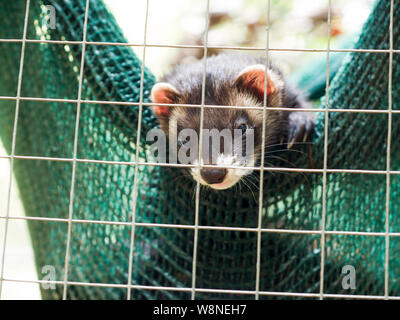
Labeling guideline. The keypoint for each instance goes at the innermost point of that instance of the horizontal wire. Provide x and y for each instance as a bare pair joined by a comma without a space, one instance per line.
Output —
179,165
204,290
149,104
202,227
184,46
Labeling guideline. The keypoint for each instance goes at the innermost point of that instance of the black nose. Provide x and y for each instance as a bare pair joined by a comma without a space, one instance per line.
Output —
213,175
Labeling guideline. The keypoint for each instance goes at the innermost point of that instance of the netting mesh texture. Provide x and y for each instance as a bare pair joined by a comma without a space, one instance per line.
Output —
226,259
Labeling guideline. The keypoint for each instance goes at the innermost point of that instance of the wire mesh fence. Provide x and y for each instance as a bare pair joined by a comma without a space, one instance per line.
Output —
119,226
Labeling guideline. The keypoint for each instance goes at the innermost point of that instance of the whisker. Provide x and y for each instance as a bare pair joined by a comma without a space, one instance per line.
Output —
286,143
275,171
255,183
251,190
291,163
286,150
282,159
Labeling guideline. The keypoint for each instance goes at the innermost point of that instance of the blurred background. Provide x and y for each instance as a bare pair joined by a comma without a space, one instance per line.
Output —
294,24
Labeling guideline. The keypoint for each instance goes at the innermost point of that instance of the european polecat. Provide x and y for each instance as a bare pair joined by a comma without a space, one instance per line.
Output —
231,80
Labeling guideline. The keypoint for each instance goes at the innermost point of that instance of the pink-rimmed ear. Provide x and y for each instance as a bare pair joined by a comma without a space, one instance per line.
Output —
163,93
252,79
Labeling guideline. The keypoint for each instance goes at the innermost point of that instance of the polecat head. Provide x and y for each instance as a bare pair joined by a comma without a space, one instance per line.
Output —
240,128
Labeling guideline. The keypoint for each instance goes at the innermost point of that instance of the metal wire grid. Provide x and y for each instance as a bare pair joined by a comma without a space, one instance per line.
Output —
196,217
133,224
21,69
323,218
261,192
72,193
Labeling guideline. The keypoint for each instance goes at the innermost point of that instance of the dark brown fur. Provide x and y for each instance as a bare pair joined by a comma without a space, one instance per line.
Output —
222,90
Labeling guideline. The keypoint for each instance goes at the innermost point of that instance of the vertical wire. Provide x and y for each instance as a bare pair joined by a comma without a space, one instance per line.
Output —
388,152
196,218
324,173
139,129
72,191
14,135
261,193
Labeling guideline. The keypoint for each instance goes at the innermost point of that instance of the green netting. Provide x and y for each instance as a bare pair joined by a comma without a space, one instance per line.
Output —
163,256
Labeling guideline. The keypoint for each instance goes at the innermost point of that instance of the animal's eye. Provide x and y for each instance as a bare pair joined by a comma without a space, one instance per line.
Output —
183,141
243,127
